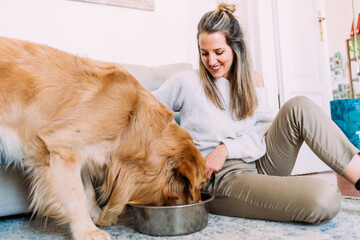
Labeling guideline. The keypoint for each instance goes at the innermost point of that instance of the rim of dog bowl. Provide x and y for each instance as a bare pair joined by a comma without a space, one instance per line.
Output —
211,197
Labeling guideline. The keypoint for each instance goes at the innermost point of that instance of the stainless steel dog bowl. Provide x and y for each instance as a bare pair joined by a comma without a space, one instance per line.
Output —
172,220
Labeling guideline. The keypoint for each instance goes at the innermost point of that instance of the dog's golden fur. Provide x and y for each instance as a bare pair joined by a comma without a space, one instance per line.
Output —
75,124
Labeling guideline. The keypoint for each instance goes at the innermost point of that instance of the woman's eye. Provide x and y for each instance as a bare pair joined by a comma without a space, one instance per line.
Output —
204,54
219,53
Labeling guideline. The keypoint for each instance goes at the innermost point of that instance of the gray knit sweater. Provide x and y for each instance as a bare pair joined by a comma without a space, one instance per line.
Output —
209,125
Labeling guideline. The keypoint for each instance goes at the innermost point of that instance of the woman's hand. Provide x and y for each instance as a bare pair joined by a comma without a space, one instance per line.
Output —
216,159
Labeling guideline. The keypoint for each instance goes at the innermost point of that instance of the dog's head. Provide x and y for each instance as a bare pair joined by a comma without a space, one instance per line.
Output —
185,169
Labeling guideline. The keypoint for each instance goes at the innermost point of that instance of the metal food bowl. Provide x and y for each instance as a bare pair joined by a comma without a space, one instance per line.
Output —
172,220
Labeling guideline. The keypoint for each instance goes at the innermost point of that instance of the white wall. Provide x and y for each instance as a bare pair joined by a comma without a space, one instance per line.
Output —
108,33
339,17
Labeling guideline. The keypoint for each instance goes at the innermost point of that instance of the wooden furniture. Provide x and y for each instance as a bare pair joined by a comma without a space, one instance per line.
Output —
351,59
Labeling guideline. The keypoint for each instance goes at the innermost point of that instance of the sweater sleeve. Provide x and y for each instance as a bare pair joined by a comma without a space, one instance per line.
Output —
170,92
250,145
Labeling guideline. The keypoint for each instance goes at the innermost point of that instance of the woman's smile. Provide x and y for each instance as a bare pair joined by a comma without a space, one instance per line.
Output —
216,55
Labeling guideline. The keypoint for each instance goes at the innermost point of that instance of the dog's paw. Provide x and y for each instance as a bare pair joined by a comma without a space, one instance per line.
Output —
106,220
96,234
95,214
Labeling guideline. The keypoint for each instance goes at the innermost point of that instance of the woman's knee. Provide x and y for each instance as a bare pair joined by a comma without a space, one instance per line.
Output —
299,103
323,202
301,109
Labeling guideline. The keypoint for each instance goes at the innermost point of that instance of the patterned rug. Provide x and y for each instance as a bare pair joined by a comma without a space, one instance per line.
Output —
346,225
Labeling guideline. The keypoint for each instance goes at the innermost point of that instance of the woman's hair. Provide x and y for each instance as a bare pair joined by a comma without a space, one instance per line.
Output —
242,89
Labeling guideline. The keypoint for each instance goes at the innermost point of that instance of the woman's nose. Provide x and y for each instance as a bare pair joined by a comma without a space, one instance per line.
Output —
212,59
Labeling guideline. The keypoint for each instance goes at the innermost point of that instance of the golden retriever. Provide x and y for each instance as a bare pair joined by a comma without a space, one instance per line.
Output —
87,133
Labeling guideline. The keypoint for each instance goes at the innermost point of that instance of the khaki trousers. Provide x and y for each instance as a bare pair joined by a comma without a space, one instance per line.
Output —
264,189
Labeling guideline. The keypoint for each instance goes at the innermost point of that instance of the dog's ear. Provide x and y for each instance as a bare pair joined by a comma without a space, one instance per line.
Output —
185,175
190,174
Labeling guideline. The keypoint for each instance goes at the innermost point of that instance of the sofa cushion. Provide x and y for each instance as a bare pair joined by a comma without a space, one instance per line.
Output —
151,78
14,191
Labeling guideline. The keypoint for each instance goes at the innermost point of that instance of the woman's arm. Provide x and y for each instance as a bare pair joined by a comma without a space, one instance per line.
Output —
215,159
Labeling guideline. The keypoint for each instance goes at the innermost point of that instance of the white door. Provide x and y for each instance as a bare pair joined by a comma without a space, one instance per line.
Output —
298,63
305,63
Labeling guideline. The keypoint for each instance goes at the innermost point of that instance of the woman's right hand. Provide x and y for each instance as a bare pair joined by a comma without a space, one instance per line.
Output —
215,160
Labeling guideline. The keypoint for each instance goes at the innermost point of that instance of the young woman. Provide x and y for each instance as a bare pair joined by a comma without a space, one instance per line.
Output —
223,106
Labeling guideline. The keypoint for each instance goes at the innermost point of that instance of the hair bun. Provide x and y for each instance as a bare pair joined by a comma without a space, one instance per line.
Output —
227,7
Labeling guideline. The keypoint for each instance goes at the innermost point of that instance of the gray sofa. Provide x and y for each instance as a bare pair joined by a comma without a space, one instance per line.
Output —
13,186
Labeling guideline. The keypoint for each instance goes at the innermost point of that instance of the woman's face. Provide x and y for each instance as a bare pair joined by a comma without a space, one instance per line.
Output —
216,55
